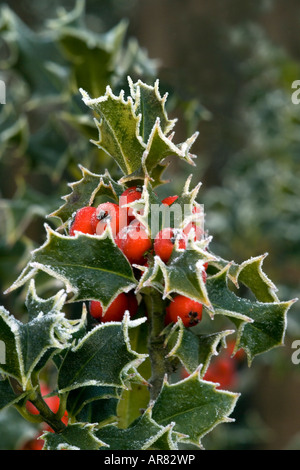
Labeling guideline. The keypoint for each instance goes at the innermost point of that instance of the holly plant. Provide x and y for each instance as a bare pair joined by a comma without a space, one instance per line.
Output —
156,305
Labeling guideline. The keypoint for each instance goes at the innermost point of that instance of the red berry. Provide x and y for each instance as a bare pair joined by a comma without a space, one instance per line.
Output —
107,212
187,309
222,370
115,311
84,221
197,229
134,242
165,240
240,353
130,195
169,200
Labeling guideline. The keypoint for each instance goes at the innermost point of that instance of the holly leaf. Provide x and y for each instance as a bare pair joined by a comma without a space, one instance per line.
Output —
143,434
182,275
84,192
195,405
77,436
118,129
80,398
7,395
133,130
27,343
251,274
148,98
261,325
91,267
194,351
92,361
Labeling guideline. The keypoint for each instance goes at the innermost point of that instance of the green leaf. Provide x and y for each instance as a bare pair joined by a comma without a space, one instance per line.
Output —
92,361
84,192
148,98
261,325
143,434
118,129
196,407
183,273
79,398
99,411
193,350
251,274
77,436
91,267
31,53
27,343
93,56
132,130
7,395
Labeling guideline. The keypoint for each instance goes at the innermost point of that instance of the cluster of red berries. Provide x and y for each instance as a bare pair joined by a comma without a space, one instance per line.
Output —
133,239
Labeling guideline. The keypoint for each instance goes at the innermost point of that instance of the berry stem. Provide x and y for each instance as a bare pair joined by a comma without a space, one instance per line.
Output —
159,366
46,413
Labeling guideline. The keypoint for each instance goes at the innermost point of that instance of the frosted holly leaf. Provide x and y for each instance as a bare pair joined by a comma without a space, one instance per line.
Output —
76,436
125,131
7,395
82,397
84,192
91,267
183,274
27,343
261,325
143,434
118,129
148,98
194,351
195,405
251,274
92,361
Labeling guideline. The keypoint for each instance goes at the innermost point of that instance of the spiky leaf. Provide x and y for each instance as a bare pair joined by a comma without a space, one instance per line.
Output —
196,407
77,436
27,343
84,192
91,267
261,325
143,434
103,357
193,350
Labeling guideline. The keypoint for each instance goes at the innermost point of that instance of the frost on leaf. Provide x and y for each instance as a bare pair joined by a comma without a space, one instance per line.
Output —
193,350
135,131
84,192
260,325
47,330
144,433
91,267
77,436
195,405
103,357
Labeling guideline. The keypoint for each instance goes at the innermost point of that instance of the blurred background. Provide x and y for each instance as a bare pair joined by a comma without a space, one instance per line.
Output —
228,67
